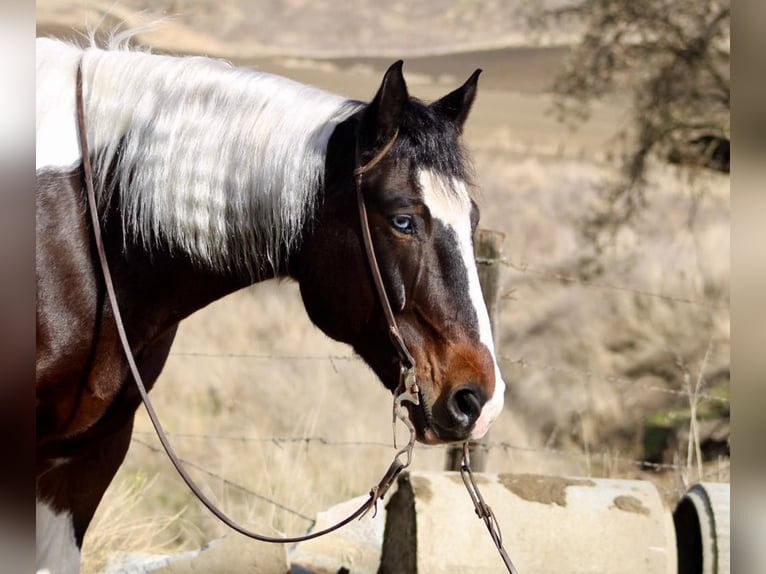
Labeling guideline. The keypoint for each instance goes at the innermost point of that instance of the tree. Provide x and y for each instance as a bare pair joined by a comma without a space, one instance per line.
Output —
672,57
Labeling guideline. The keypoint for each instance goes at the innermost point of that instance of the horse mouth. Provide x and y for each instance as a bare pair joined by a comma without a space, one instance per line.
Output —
420,417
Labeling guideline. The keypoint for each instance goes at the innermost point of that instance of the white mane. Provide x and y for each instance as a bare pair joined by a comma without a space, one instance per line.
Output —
220,162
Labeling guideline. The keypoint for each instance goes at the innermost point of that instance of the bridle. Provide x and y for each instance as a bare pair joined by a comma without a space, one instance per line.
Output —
405,357
407,390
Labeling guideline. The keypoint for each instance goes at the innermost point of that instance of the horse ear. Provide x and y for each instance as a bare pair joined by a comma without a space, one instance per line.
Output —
383,115
456,105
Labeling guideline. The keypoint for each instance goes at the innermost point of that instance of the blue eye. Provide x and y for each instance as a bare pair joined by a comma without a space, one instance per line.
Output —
402,223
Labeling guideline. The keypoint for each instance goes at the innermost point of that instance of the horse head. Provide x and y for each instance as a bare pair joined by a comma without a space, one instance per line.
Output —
422,218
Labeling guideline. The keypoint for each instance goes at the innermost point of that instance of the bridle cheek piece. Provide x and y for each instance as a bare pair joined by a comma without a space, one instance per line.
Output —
407,389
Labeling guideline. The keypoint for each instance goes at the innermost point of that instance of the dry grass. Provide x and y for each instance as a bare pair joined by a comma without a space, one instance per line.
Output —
123,526
589,358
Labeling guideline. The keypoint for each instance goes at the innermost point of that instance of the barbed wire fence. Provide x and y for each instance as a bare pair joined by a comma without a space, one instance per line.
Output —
144,438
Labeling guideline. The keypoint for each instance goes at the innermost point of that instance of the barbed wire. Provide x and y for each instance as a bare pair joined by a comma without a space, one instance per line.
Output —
225,480
516,361
523,267
488,446
520,362
277,440
524,363
588,457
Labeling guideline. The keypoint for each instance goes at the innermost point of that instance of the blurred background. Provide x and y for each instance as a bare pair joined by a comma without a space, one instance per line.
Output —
600,139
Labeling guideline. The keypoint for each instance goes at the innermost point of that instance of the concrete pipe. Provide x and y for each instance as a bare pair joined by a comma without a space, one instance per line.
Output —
702,519
549,525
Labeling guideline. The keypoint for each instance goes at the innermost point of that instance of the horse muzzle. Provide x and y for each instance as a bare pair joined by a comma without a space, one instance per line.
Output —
452,419
461,393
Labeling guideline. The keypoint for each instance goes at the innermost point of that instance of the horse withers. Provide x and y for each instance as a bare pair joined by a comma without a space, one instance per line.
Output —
209,178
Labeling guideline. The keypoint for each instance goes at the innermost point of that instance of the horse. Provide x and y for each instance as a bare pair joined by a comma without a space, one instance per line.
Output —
209,178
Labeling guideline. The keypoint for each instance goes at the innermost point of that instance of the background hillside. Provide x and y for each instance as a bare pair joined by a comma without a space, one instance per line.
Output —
606,354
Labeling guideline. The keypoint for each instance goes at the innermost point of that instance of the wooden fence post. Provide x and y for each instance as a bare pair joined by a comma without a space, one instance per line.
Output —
488,250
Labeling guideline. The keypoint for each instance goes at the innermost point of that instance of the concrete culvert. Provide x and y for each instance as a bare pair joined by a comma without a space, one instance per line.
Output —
702,519
549,524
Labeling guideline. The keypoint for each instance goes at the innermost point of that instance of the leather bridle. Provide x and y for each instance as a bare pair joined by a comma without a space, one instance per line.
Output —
405,357
407,390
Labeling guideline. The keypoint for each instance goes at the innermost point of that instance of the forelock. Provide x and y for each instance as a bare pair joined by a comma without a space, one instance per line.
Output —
432,142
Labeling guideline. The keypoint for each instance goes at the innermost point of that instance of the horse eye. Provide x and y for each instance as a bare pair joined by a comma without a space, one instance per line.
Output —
402,223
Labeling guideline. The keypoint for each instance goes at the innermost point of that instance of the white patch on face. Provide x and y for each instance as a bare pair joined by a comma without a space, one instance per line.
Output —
56,549
57,144
449,202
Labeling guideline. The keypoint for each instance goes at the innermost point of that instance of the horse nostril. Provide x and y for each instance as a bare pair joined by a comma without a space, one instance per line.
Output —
464,405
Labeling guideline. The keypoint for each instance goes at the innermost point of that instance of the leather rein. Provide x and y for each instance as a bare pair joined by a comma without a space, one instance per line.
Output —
407,390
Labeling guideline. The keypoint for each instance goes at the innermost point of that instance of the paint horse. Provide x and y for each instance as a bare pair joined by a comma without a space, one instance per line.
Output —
210,178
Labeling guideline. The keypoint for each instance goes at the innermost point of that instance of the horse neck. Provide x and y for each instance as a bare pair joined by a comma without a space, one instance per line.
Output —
157,290
217,163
